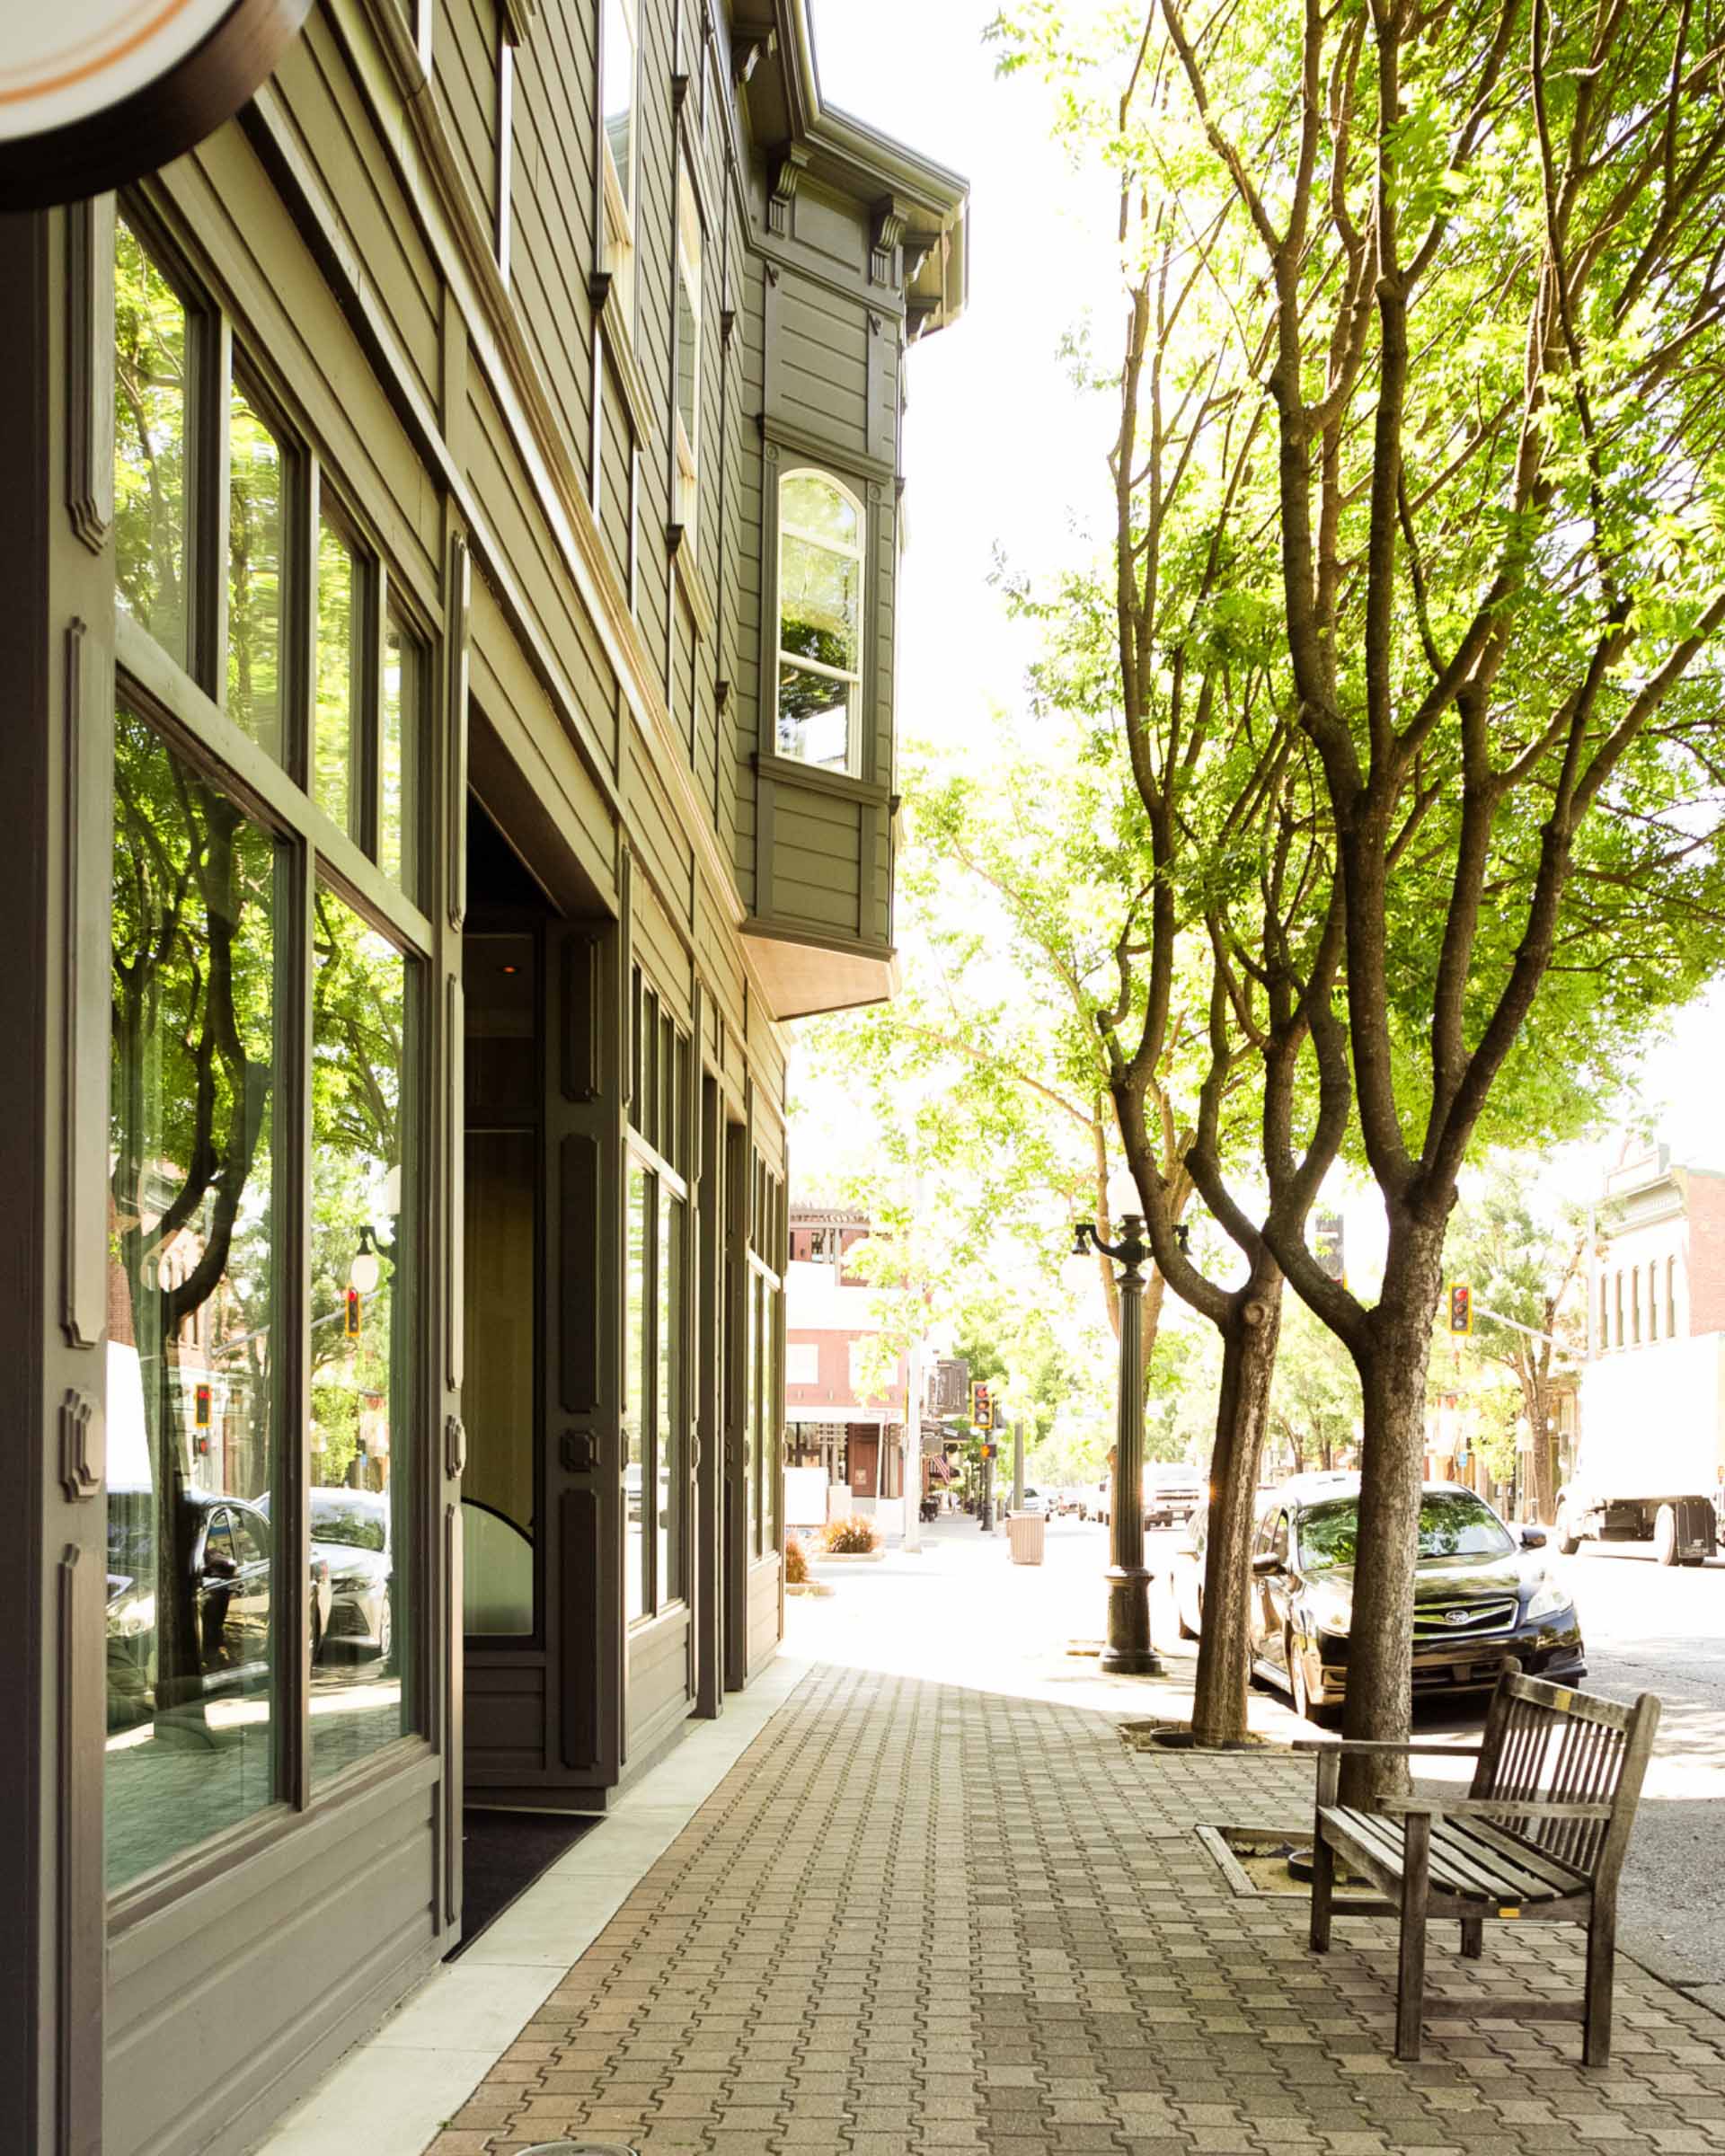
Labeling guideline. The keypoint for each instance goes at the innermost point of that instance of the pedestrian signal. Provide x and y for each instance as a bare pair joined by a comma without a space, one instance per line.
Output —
986,1452
1460,1311
350,1316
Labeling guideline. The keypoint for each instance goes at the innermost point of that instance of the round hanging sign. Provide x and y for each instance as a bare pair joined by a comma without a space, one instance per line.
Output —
93,93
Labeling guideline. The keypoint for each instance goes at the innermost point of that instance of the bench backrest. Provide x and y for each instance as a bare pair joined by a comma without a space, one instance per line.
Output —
1555,1746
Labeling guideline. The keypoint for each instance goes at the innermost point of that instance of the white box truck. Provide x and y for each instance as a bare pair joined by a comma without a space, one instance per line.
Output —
1651,1452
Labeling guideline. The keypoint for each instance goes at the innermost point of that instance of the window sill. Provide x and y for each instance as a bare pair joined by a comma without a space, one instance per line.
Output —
619,350
788,771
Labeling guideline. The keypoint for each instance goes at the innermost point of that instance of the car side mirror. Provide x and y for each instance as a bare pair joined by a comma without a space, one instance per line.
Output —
1532,1538
1266,1565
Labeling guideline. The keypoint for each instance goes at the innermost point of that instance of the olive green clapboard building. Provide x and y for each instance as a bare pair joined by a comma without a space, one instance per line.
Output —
452,549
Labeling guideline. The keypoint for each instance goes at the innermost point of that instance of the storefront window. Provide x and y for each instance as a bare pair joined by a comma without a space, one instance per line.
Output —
403,673
637,1377
670,1459
336,718
361,1477
257,488
151,397
194,1442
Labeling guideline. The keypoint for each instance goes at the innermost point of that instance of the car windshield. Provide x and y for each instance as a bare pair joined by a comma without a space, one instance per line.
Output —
1452,1524
358,1525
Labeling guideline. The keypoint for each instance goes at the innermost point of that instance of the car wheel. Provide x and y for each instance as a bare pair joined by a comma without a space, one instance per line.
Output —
1664,1535
1568,1543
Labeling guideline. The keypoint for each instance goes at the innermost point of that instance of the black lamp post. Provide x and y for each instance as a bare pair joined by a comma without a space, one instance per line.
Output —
1127,1650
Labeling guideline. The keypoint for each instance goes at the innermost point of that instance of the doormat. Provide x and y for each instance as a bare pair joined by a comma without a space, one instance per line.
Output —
502,1853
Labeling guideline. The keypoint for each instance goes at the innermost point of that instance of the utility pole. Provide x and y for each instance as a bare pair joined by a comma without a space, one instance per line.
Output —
1018,1464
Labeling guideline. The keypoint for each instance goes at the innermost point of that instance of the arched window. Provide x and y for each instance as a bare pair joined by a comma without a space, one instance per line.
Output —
821,532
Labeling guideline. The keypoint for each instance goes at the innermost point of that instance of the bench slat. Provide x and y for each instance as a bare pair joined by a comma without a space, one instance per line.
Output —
1459,1864
1563,1876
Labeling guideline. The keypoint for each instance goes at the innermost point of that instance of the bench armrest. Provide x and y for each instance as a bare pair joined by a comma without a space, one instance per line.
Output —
1487,1807
1364,1746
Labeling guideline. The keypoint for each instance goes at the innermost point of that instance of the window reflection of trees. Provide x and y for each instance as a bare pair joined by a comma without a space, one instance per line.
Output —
193,990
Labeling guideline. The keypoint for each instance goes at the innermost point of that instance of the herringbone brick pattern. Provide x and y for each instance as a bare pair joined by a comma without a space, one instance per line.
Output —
919,1918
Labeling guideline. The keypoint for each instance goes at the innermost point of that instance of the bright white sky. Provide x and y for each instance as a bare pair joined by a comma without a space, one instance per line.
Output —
1002,452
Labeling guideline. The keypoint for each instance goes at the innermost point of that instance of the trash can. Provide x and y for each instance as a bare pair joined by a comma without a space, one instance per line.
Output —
1025,1530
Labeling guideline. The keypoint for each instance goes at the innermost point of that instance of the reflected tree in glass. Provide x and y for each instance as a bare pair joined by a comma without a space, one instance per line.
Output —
361,1478
192,1227
152,393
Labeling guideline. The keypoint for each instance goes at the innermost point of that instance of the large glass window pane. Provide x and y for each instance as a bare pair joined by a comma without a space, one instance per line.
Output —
337,720
819,509
403,676
256,528
152,398
360,1438
814,717
669,1451
821,604
751,1401
193,1403
637,1383
498,1393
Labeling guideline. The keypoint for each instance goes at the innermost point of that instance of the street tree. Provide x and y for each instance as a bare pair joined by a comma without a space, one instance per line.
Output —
1450,304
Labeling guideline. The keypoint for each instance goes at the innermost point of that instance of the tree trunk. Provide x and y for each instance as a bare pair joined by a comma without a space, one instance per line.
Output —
1543,1460
1241,1420
1392,1461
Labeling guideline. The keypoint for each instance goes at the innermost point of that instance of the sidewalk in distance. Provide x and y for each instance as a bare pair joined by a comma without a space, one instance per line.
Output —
938,1905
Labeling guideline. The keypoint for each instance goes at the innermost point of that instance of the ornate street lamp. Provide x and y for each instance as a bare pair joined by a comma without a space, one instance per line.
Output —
1127,1650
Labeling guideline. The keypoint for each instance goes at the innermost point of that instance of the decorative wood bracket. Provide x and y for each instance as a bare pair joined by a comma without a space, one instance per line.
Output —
81,1460
679,93
887,220
514,19
749,49
792,162
721,694
727,326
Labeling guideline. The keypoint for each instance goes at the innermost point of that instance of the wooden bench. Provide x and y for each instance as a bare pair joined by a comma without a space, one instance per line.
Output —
1540,1834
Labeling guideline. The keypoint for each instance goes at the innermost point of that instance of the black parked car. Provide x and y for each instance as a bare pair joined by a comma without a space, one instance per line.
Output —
226,1545
1481,1592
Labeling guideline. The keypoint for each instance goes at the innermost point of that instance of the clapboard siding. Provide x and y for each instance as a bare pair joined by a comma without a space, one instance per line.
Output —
552,197
465,72
317,87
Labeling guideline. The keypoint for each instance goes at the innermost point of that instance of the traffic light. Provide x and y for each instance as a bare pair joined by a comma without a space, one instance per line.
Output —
350,1315
1461,1311
200,1407
982,1406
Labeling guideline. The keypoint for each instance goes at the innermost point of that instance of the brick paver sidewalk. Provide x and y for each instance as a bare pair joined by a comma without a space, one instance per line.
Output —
917,1918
